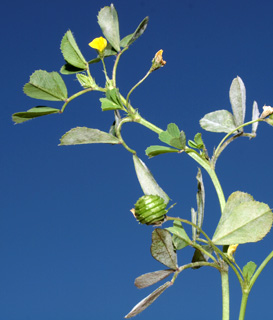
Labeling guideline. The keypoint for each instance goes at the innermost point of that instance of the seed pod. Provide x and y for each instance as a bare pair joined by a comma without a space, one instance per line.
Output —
150,209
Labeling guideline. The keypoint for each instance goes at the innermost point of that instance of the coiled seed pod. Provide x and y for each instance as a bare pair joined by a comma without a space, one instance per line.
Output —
150,209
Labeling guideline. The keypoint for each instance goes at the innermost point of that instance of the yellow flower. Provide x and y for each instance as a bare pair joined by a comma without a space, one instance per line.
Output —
98,44
158,61
231,251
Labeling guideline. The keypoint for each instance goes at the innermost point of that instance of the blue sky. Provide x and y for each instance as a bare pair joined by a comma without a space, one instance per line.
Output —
70,248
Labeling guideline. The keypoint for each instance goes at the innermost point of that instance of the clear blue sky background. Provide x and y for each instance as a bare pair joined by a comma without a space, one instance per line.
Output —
69,246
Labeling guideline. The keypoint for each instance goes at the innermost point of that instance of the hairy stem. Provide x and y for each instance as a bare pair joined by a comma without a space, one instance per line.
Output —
225,292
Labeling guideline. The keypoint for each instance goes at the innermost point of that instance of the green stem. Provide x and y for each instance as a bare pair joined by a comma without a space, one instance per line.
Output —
225,292
118,129
219,150
195,245
105,71
134,87
79,94
246,287
243,304
206,165
260,269
114,72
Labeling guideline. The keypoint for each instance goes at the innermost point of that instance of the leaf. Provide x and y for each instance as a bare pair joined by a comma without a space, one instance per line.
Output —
145,303
147,181
194,221
151,278
180,237
69,69
153,151
255,116
128,40
237,96
108,21
249,270
162,248
243,220
173,136
107,105
198,142
200,197
46,86
114,95
199,256
35,112
71,51
112,100
83,135
218,121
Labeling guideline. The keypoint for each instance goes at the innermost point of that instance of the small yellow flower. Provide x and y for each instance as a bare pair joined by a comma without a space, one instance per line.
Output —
158,61
231,251
98,44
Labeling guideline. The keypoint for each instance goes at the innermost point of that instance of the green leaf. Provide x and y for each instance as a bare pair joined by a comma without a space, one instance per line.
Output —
255,116
194,221
35,112
108,21
200,256
112,100
71,51
198,142
147,181
249,270
218,121
237,96
128,40
243,220
153,151
162,248
200,197
114,95
83,135
173,136
148,279
107,104
69,69
46,86
145,303
180,237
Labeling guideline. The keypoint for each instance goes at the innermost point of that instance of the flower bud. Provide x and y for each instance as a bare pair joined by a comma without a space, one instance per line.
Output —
267,112
158,61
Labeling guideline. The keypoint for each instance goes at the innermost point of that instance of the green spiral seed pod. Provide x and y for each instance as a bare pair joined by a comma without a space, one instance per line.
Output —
150,209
